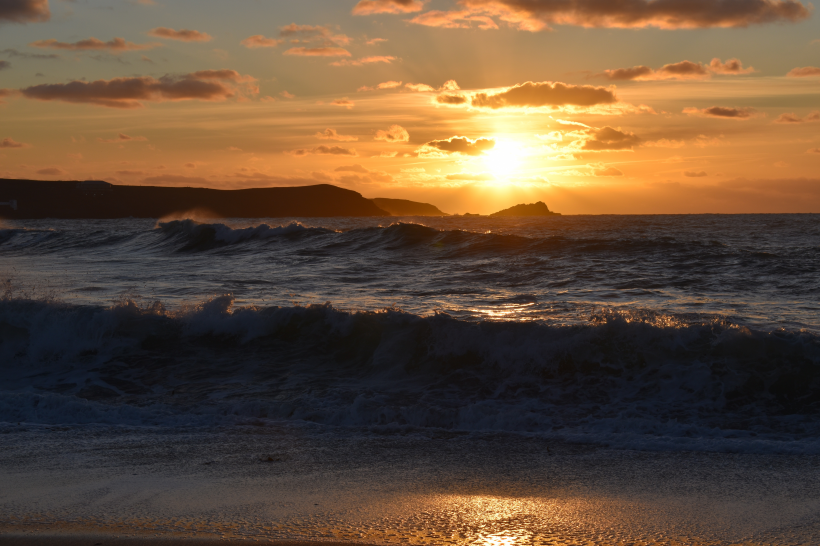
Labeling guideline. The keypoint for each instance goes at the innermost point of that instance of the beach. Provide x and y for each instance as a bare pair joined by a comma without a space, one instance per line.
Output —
259,485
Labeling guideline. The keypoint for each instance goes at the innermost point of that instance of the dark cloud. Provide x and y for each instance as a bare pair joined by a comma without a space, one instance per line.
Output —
609,139
206,85
535,95
535,15
122,138
804,72
332,134
792,118
450,98
369,7
51,171
626,74
117,45
24,11
722,112
183,35
4,65
325,150
463,145
695,174
684,70
11,143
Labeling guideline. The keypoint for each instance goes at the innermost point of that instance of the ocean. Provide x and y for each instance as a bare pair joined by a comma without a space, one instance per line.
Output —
664,335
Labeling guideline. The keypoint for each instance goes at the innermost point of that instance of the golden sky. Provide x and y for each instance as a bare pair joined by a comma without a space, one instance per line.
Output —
627,106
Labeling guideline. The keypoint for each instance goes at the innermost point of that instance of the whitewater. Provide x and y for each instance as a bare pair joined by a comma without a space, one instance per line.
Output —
510,343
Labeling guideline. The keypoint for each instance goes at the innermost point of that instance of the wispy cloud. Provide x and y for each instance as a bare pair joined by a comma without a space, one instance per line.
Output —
388,59
117,45
205,85
183,35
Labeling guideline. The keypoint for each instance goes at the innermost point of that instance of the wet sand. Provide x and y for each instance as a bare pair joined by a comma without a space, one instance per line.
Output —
253,484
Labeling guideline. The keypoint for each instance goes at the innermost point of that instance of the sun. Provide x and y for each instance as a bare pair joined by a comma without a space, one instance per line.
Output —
504,160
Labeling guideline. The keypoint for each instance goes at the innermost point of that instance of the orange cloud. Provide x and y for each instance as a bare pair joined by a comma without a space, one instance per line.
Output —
383,85
419,87
117,45
536,95
609,139
206,85
307,33
11,143
730,67
318,52
331,134
370,7
395,133
792,118
804,72
344,102
122,138
722,112
388,59
533,15
257,40
815,151
5,93
183,35
463,145
695,174
454,19
325,150
24,11
684,70
451,98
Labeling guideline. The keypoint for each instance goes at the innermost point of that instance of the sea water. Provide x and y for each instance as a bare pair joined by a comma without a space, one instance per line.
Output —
643,332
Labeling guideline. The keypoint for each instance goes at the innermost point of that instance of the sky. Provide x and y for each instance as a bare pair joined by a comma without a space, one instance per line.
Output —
594,107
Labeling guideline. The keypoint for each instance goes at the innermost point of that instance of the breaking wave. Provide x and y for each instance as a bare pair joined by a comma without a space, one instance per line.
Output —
637,379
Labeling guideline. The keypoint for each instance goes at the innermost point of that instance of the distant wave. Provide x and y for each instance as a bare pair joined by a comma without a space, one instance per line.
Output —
637,379
203,235
194,236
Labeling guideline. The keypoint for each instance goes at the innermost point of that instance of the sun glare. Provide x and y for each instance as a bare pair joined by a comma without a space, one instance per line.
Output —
504,160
